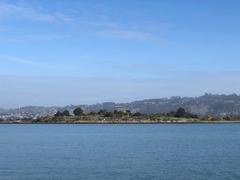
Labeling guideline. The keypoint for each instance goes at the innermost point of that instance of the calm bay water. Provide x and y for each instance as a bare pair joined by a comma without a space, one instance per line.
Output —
121,152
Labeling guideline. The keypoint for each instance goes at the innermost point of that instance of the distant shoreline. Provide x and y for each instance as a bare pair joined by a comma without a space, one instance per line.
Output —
123,117
112,123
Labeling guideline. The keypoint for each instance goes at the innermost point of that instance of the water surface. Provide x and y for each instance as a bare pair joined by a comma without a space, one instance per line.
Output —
120,152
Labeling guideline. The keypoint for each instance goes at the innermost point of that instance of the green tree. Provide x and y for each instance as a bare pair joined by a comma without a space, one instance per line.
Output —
66,113
102,112
128,112
108,114
78,112
137,114
58,114
119,113
180,112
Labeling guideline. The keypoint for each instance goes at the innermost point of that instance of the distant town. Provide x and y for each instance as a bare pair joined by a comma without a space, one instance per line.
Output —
208,105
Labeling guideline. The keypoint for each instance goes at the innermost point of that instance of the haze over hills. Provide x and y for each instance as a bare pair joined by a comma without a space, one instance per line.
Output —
207,104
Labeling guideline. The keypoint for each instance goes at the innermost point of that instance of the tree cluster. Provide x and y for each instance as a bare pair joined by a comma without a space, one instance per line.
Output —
76,112
64,113
180,113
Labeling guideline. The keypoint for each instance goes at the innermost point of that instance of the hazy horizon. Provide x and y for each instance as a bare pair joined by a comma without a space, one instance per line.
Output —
78,52
117,102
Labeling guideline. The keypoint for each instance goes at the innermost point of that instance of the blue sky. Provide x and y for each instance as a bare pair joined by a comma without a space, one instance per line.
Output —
74,52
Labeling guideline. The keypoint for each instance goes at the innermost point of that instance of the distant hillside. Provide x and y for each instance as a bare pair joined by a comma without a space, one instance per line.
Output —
207,104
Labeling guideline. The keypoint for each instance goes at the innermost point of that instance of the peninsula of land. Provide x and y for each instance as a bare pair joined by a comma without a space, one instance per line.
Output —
122,117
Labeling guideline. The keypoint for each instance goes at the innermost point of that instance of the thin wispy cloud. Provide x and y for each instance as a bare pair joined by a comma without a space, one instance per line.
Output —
77,20
125,34
24,10
37,66
23,61
33,38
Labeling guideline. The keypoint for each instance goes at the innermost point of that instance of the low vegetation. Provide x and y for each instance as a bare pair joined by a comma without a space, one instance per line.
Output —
103,116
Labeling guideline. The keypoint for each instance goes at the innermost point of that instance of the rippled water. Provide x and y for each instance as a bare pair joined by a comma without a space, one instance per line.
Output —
102,152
